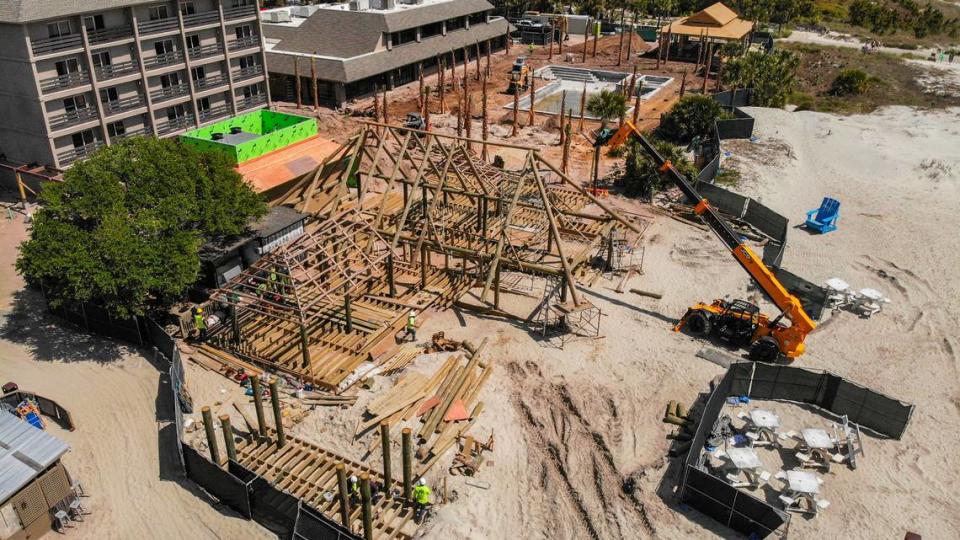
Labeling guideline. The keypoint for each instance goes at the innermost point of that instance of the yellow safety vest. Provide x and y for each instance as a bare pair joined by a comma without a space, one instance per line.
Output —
421,494
411,321
198,322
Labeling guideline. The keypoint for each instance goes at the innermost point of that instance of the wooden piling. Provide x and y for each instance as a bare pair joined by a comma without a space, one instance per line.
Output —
258,405
277,415
367,510
385,445
533,92
586,39
314,91
516,109
583,106
596,36
407,448
390,278
344,495
347,314
296,74
211,435
228,437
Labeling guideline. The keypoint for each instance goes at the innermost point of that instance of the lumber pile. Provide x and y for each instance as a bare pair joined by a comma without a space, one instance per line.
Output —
400,360
222,362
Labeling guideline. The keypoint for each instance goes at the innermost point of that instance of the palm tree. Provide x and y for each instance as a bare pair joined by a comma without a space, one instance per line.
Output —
607,105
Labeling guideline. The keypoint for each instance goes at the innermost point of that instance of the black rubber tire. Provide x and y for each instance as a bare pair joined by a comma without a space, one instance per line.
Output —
765,349
698,324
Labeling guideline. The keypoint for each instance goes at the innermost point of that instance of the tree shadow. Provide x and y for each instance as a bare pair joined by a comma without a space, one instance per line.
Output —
51,339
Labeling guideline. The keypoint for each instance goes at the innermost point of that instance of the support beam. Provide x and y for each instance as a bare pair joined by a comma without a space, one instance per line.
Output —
258,405
385,445
277,415
211,435
344,495
407,447
367,511
228,441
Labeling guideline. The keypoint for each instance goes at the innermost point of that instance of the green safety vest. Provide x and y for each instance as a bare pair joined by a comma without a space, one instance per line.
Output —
421,494
411,321
355,487
198,322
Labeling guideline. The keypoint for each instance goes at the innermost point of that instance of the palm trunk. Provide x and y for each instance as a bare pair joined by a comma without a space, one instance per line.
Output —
623,15
484,125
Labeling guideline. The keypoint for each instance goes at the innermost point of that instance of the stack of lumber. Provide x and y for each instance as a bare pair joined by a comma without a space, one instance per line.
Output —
324,399
446,417
222,361
400,360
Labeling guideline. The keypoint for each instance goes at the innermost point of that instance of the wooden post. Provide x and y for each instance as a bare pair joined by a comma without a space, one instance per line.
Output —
258,404
466,59
367,510
459,115
296,74
533,91
385,444
346,312
706,70
563,34
666,54
633,19
344,495
484,121
496,288
468,121
563,101
476,48
407,448
23,192
314,91
277,415
443,83
596,36
633,82
426,109
566,142
683,83
376,103
390,279
304,346
636,108
659,49
420,97
553,29
211,435
623,15
386,117
699,53
228,437
487,67
586,40
583,106
423,264
516,110
235,324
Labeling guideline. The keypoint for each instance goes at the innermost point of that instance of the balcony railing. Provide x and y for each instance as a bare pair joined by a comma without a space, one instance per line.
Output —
248,72
119,69
165,59
62,82
70,155
157,25
183,122
55,44
239,12
136,132
214,112
210,81
121,105
251,102
72,118
200,19
244,43
170,92
107,35
204,51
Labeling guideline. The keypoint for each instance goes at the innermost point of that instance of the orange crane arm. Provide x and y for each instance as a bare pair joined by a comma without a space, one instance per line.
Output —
791,339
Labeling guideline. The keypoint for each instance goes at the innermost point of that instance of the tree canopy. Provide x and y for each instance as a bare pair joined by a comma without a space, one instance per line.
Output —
607,105
124,227
692,116
770,76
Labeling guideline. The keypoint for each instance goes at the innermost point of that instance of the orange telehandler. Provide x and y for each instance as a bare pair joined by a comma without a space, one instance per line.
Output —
738,322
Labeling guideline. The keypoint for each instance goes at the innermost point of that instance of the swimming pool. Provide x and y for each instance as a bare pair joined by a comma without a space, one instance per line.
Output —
565,86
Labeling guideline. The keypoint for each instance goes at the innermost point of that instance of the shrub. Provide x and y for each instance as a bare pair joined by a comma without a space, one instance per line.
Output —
771,77
850,82
641,177
692,116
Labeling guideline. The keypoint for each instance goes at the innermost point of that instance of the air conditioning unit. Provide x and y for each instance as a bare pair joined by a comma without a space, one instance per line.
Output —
277,16
359,5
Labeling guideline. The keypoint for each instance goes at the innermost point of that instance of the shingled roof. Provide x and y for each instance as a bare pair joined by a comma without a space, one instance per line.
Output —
351,55
24,11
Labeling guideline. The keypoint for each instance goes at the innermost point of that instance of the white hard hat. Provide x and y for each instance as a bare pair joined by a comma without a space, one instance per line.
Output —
422,482
353,478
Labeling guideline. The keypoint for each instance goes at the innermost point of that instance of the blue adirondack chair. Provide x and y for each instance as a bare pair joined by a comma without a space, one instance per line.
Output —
824,219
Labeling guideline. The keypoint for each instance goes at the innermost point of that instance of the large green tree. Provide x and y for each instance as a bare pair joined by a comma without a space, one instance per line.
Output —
692,116
771,76
124,227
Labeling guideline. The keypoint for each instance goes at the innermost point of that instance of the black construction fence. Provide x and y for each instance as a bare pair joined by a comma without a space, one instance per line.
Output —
249,494
48,407
742,511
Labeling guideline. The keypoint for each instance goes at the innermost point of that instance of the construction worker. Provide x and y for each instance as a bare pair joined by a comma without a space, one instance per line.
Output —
421,499
199,323
354,489
273,280
412,325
